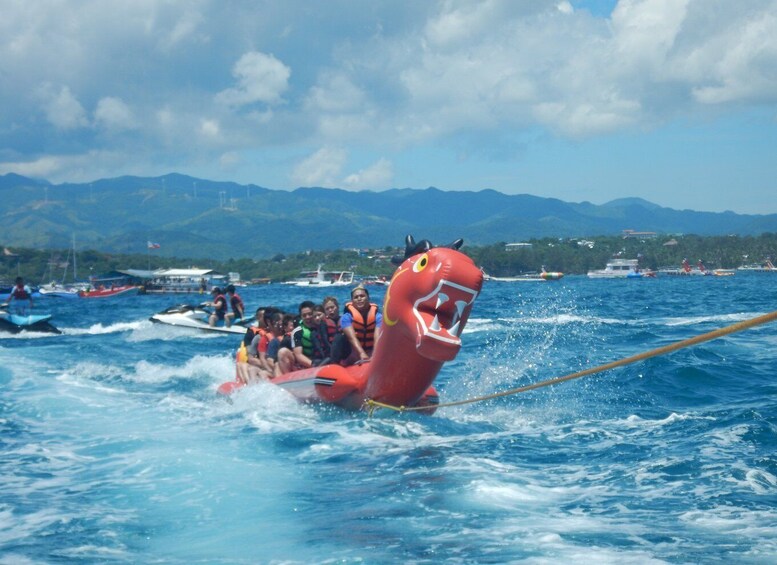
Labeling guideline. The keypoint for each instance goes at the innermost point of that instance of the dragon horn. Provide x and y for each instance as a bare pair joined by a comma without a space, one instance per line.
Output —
456,244
409,246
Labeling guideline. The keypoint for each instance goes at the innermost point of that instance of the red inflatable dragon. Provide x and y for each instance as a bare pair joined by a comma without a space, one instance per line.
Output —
427,304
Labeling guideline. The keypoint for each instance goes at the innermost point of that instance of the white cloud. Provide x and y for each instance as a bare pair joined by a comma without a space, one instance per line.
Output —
322,168
378,175
335,92
114,115
229,161
210,129
260,78
390,77
62,109
185,27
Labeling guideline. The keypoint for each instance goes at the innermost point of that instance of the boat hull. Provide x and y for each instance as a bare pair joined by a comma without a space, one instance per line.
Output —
194,317
108,292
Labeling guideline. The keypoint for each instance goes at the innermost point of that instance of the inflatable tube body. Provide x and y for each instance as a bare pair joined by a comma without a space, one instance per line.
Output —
426,307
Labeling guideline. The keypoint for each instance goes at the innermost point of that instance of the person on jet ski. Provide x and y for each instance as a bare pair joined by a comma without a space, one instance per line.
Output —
238,308
20,299
219,305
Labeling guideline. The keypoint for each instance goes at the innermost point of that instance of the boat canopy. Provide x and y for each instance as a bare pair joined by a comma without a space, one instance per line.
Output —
185,273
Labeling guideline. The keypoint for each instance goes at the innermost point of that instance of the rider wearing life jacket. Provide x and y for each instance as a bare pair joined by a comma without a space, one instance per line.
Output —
360,323
332,317
20,299
238,308
310,346
219,306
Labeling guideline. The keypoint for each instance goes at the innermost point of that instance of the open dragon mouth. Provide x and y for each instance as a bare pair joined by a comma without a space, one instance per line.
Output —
441,317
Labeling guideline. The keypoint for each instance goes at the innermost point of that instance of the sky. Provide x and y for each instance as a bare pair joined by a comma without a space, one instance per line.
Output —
673,101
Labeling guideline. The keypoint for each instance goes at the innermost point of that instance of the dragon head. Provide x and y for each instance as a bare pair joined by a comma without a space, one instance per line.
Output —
431,295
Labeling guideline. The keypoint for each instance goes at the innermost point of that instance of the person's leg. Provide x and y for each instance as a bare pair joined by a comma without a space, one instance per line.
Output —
341,349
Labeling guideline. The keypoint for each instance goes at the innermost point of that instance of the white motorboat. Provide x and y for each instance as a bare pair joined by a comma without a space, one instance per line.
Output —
766,267
322,278
195,317
55,289
621,269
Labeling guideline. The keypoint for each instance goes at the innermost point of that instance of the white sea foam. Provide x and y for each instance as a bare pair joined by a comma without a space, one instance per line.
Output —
694,320
99,329
221,368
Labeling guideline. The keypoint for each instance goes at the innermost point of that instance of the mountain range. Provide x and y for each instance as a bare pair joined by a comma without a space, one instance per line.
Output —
198,218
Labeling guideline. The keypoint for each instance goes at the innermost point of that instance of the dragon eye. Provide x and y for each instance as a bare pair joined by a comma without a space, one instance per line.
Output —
421,264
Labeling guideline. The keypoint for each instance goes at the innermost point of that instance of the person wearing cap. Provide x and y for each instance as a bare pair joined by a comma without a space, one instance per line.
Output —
219,305
360,324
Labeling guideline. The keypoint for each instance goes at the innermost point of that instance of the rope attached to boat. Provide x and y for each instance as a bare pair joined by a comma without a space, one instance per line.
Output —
371,405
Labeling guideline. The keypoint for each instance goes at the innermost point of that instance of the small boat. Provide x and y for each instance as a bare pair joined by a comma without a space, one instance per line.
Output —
183,281
426,307
57,290
724,272
374,280
102,292
621,269
766,267
196,317
542,276
322,278
685,270
16,323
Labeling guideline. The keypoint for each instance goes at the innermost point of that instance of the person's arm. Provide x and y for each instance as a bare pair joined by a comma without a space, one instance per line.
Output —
356,345
253,352
299,356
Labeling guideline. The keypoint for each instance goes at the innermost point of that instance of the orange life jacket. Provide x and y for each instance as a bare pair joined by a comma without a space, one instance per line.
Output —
365,329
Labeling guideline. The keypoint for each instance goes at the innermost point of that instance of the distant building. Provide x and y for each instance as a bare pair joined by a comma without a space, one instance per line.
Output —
517,246
631,234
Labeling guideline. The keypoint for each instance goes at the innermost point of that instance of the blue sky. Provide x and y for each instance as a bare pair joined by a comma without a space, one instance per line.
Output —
674,101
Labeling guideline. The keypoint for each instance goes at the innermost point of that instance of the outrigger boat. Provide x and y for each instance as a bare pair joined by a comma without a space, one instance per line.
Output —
196,317
426,306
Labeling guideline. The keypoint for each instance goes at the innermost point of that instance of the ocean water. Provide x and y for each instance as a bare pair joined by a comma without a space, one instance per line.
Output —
115,449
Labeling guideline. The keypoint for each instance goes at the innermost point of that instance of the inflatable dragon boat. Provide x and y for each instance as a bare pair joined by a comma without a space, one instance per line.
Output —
426,307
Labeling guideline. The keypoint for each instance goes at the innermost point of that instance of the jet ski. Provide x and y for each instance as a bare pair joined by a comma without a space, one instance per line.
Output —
16,323
196,316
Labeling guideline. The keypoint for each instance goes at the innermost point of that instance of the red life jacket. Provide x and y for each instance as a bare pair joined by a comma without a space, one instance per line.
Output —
365,329
20,293
332,329
223,308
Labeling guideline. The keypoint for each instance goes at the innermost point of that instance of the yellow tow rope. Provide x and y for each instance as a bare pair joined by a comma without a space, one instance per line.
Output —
371,405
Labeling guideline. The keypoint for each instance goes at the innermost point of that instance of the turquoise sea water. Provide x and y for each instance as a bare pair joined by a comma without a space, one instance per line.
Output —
114,448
